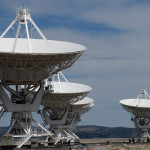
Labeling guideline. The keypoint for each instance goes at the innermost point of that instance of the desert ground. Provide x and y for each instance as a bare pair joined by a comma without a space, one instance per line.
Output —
119,147
104,144
113,144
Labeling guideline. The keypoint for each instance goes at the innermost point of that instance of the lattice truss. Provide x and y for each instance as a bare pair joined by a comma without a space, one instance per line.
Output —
22,69
137,111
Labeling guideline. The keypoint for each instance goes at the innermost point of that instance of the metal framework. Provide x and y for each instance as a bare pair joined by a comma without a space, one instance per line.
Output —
21,103
74,117
143,124
57,111
63,122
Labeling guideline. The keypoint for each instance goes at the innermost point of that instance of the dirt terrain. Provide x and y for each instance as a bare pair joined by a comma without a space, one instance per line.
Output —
119,147
113,144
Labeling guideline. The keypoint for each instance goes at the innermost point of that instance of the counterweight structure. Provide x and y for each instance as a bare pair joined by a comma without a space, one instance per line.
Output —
24,65
140,109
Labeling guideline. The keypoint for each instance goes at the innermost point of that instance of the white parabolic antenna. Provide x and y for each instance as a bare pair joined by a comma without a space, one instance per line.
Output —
86,109
83,106
140,106
31,60
59,111
23,67
64,93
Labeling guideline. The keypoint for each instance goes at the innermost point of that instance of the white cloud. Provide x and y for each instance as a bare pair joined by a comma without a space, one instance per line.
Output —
133,17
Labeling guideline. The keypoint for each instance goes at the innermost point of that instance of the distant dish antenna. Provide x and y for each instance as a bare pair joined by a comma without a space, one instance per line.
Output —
140,109
63,104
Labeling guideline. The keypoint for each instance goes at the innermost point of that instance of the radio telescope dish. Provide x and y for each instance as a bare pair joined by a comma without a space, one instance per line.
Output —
62,97
23,66
60,94
29,61
82,105
140,107
86,101
58,111
86,108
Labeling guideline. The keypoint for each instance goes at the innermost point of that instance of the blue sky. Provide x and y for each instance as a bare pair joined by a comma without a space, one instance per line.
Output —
117,36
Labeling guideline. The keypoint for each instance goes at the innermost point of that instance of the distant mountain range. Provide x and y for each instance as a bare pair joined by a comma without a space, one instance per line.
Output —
92,131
